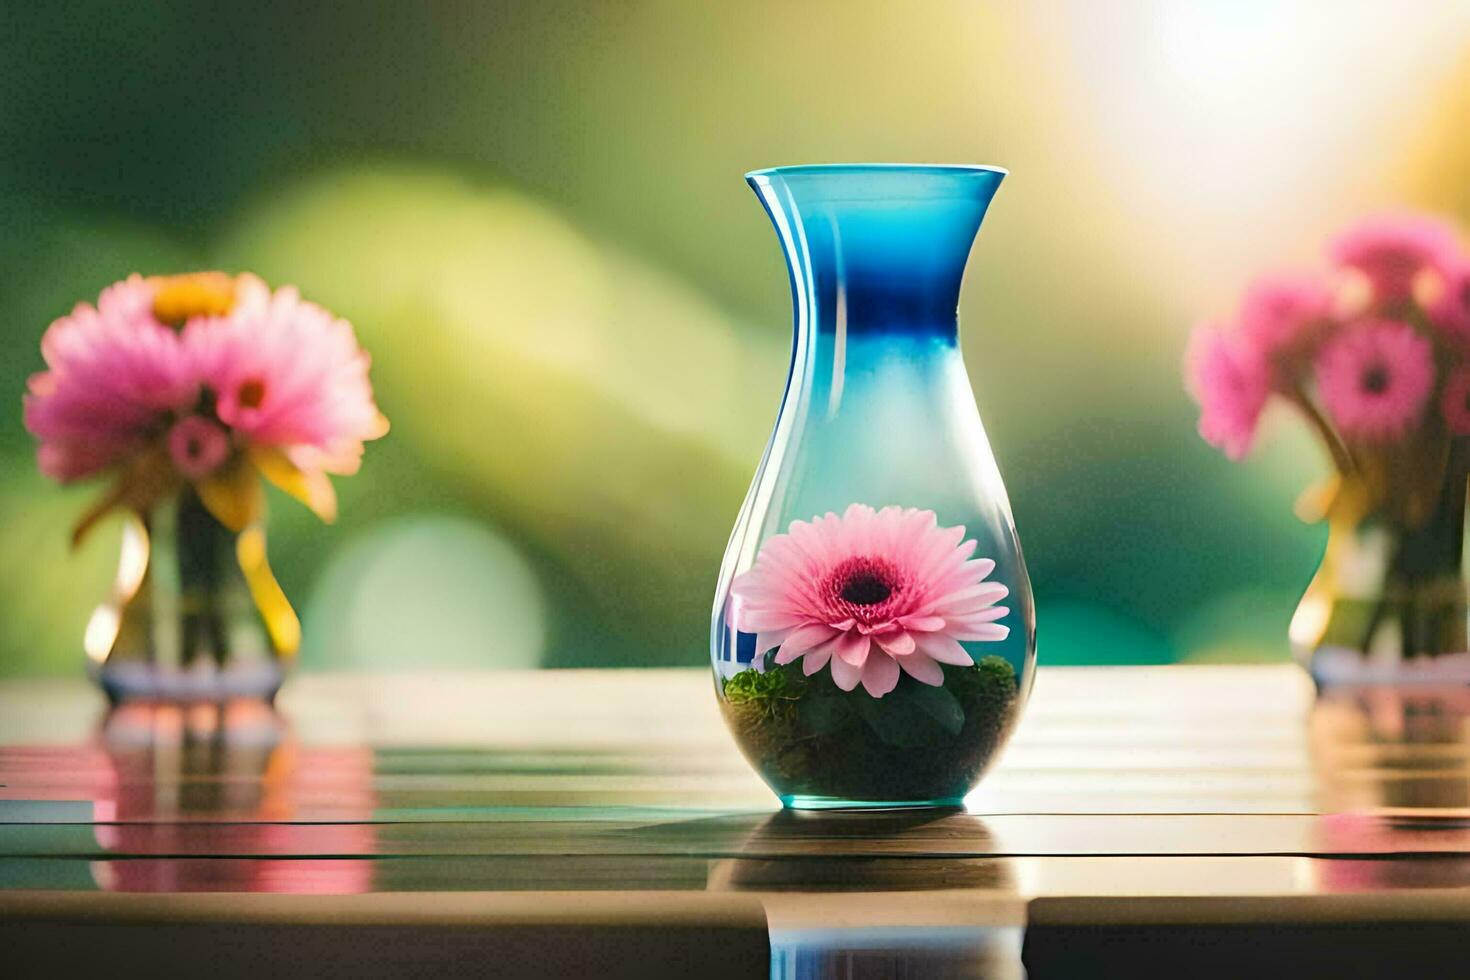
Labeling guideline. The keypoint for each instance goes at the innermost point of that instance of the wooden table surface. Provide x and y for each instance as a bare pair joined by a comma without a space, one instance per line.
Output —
1188,818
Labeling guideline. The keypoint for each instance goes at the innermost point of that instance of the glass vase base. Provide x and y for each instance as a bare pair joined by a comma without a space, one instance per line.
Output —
802,802
1342,667
202,682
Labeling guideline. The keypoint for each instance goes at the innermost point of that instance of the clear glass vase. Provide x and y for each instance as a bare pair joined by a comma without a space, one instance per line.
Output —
1388,603
873,632
194,614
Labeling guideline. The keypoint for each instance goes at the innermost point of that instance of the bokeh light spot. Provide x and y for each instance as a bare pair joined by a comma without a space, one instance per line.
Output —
426,591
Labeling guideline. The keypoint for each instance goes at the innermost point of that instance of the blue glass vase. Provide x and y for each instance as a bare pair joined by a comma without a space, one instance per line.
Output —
873,634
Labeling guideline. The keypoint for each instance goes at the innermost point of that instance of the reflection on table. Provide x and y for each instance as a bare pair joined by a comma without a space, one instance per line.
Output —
604,796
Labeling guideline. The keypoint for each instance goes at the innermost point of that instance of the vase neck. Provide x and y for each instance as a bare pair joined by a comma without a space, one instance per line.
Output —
873,250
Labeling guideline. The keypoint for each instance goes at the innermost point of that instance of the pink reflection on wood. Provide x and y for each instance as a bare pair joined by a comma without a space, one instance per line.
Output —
229,779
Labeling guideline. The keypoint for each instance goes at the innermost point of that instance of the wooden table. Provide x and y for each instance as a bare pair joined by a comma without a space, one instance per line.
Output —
1198,820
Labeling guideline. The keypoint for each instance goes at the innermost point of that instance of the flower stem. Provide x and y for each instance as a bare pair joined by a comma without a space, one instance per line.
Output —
1335,448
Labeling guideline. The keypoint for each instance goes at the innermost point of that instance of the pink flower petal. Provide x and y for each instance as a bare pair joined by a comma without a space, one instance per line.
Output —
114,376
769,640
945,649
922,624
1231,383
1390,249
803,639
1282,312
880,675
896,644
853,648
963,610
988,632
760,620
986,592
817,657
922,668
844,674
987,615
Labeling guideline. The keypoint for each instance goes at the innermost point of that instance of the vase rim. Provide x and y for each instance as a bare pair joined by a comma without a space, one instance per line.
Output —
832,169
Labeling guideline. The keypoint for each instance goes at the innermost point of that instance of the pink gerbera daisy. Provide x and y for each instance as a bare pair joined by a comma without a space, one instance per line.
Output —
1455,402
204,378
870,593
114,373
288,375
1375,378
1391,250
1231,383
1282,314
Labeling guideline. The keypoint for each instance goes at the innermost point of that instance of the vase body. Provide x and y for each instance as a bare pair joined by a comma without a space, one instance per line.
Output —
194,614
878,465
1388,603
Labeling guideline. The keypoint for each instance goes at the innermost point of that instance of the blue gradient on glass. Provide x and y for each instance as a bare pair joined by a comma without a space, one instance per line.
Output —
878,407
877,251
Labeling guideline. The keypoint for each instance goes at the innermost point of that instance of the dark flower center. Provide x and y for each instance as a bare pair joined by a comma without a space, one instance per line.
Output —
252,393
1375,379
193,447
865,588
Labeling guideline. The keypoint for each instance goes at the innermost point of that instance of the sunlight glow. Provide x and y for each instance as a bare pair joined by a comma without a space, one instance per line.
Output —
1213,117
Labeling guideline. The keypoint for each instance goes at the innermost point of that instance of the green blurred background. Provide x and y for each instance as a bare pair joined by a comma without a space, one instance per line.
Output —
534,215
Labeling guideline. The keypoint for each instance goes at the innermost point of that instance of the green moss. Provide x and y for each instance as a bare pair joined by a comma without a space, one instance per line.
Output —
758,686
809,738
990,679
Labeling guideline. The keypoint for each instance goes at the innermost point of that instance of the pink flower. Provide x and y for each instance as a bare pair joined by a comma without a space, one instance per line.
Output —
1375,378
197,446
1446,299
1231,384
1391,250
1282,314
173,376
114,375
288,375
1455,402
869,592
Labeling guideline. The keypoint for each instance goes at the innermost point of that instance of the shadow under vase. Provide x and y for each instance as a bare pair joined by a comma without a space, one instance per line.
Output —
852,893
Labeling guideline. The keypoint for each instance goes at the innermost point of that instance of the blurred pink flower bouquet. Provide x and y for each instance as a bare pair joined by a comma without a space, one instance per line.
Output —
187,391
1374,354
204,380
